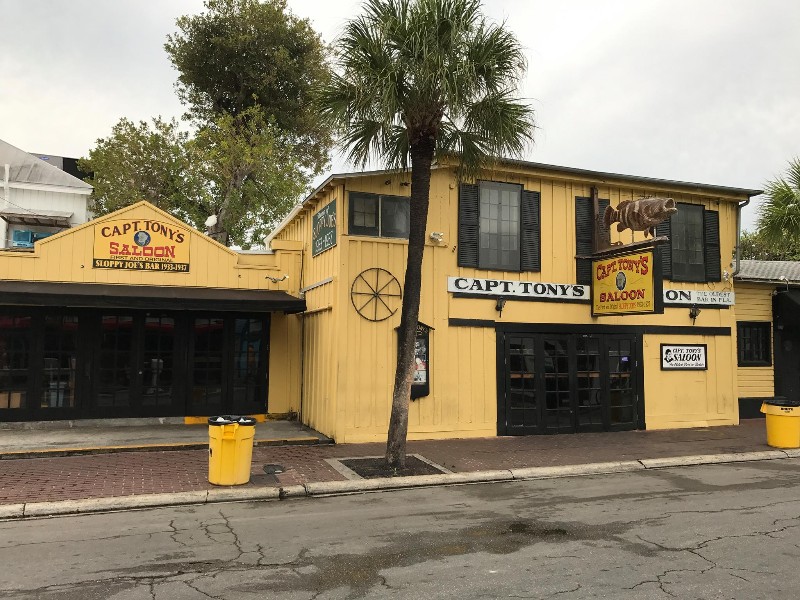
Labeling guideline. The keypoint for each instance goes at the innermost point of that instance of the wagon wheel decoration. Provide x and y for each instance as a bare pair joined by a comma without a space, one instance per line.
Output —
376,294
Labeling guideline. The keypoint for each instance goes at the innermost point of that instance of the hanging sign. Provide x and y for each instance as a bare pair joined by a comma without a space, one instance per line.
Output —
684,357
626,285
141,244
323,232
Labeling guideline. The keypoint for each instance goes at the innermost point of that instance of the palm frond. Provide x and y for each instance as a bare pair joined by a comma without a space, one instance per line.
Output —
779,214
413,70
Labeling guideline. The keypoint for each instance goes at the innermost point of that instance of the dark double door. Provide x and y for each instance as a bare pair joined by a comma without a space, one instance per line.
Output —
159,364
569,383
103,364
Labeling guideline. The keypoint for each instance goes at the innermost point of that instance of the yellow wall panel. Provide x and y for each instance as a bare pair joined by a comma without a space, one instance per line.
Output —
754,303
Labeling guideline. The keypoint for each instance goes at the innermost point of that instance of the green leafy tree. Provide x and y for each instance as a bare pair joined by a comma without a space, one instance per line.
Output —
243,162
415,81
244,53
235,168
779,215
140,161
754,246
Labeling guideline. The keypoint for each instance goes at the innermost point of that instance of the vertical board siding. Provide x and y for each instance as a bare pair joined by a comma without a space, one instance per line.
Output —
349,364
754,303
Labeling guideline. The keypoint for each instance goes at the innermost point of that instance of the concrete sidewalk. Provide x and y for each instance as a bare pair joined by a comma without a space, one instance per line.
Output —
118,480
69,438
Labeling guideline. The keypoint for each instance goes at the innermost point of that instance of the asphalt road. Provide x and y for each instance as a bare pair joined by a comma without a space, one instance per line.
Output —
710,532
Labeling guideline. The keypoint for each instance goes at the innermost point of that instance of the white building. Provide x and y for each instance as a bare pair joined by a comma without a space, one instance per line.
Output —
38,199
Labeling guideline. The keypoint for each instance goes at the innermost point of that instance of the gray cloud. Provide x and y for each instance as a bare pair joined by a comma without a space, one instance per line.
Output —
696,91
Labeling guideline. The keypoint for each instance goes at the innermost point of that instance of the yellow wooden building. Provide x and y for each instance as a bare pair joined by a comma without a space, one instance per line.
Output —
508,343
767,332
136,314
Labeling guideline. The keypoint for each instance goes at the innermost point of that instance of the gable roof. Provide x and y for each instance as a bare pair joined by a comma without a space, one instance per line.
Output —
770,271
28,169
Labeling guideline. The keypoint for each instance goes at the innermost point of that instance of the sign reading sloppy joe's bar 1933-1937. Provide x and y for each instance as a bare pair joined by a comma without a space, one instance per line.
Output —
141,245
684,357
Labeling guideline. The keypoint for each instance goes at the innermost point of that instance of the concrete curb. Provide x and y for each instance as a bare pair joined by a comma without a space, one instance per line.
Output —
356,486
710,459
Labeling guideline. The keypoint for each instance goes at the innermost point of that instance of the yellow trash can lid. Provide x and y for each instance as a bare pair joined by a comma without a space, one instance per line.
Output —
231,419
783,401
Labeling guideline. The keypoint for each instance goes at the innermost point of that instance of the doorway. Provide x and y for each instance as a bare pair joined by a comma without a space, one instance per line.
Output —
569,383
85,363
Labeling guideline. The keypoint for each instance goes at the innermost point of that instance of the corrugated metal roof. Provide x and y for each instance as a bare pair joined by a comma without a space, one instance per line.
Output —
26,168
770,271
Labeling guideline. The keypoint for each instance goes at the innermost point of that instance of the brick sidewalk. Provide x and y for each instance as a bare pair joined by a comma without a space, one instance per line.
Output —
130,473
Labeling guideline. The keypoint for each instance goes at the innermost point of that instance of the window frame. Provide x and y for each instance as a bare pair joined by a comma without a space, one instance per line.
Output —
483,262
378,230
765,329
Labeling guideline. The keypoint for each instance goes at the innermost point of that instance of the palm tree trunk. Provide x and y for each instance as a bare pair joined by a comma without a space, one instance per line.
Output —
421,159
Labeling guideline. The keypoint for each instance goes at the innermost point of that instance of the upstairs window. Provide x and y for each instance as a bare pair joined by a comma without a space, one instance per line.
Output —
752,342
693,252
379,215
688,250
498,227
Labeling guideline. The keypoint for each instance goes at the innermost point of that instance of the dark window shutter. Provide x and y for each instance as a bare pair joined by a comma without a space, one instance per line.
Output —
531,244
664,229
711,236
584,232
583,239
468,220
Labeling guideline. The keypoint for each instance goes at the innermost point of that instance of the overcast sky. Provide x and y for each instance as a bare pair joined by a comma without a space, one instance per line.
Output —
694,90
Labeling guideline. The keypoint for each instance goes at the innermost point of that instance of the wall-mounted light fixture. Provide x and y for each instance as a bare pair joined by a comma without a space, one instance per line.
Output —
694,312
436,236
501,302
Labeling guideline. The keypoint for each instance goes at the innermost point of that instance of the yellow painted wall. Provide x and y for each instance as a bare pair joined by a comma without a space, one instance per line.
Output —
676,399
349,361
754,303
316,331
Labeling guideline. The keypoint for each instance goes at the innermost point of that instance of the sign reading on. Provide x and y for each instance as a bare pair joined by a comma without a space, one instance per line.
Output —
141,244
323,233
700,297
625,284
684,357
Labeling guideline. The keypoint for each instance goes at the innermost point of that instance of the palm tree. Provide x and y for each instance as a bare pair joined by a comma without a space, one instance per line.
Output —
779,214
424,80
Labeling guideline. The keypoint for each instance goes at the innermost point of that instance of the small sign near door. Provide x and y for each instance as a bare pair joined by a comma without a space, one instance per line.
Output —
684,357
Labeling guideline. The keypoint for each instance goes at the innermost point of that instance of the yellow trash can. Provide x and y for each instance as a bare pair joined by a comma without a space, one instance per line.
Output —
783,422
230,449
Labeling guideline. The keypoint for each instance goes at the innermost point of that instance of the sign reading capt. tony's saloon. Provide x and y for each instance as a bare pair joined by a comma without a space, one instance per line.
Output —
141,244
626,284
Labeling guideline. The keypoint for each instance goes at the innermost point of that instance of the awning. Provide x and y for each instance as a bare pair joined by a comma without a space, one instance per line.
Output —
46,218
96,295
